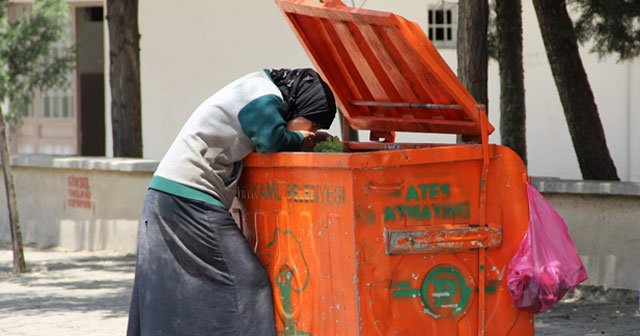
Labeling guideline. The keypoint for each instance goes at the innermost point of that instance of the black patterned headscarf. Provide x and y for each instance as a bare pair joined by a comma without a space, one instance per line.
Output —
305,94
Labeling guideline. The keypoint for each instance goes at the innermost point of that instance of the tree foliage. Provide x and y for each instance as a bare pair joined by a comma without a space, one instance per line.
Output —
26,47
29,61
613,26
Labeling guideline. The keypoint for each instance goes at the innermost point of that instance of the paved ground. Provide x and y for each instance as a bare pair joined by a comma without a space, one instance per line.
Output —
87,294
592,314
66,294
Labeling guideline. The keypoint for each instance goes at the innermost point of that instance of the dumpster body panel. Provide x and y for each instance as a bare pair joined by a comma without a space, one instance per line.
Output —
300,222
432,283
387,242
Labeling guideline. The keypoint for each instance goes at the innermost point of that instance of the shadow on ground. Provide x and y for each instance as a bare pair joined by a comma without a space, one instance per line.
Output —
589,310
60,282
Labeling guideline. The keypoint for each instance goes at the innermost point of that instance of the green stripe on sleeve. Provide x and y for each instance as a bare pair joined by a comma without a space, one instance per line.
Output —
261,121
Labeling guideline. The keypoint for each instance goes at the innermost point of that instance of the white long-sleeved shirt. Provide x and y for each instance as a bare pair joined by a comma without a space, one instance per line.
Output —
205,160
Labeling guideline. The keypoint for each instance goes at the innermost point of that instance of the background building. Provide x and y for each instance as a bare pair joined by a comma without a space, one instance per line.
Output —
192,48
71,120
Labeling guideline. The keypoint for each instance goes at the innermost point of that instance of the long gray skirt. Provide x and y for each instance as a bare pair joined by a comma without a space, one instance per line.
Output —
196,274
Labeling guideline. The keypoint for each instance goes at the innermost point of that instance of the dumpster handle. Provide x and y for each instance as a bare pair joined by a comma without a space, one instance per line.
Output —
484,137
386,187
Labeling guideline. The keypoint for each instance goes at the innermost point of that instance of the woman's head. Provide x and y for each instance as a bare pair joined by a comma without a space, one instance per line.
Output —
305,95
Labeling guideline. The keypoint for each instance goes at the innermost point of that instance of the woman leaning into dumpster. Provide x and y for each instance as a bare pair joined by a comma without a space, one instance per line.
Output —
196,274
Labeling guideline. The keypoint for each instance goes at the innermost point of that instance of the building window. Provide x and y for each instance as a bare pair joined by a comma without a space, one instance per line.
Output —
49,124
56,102
443,25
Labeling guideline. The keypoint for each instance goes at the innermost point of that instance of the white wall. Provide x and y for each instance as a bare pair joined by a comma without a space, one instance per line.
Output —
634,121
190,49
550,150
108,129
74,206
604,231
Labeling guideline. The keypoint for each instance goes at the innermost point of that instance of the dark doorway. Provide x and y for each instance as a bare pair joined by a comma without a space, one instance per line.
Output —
90,72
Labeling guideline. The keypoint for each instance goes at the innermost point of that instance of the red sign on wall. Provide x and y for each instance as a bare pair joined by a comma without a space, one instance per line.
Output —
78,192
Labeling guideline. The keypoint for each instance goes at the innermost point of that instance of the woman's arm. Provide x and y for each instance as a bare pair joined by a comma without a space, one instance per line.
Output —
262,123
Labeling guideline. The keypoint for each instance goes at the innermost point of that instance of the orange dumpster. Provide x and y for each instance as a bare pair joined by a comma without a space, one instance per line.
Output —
387,238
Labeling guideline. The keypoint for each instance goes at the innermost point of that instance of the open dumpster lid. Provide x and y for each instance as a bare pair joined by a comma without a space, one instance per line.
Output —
385,73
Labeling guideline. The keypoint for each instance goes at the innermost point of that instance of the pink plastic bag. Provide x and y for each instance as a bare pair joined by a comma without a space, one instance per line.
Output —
546,265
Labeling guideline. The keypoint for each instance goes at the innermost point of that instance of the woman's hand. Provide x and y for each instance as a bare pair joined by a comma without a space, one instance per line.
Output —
312,139
321,136
308,142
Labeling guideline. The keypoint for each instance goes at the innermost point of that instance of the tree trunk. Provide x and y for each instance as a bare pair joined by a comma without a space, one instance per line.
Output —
575,92
512,104
473,20
124,72
19,266
473,17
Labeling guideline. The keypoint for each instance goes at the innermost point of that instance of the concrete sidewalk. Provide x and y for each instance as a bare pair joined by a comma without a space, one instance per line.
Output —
65,293
87,294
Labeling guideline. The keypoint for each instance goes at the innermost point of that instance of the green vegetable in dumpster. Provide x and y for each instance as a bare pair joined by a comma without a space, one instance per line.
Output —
330,145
